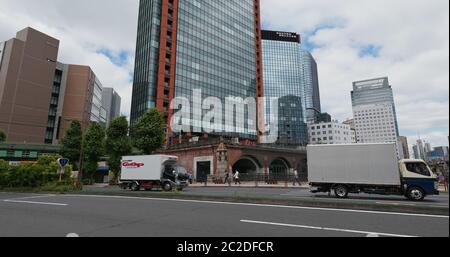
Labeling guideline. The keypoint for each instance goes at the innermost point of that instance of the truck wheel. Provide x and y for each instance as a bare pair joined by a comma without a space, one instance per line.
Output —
415,194
167,187
135,187
341,191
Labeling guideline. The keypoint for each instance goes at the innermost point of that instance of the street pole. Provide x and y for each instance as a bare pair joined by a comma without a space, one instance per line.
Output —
80,165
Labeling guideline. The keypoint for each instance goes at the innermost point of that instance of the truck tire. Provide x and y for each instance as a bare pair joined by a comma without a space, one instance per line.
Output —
167,187
341,191
135,187
416,194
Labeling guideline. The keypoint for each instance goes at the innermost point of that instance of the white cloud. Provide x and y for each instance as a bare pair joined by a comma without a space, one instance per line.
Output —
83,27
412,35
414,52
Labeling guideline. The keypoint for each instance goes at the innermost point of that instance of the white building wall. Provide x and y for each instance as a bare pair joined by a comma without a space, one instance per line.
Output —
331,133
375,123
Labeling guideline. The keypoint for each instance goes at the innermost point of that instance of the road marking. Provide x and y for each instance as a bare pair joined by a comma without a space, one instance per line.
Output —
73,235
262,205
38,203
324,229
396,203
34,197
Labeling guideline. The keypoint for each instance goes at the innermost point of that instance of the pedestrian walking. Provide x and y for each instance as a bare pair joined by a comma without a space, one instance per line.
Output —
191,178
227,178
441,178
237,178
297,178
446,181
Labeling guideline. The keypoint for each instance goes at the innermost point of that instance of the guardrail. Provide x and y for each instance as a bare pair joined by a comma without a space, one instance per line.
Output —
271,179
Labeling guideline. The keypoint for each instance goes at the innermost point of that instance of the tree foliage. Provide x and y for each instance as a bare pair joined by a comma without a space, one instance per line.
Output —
72,142
118,143
148,132
2,136
93,148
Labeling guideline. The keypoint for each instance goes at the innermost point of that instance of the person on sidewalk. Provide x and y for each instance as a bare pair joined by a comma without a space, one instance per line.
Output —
446,180
297,178
228,178
237,178
190,177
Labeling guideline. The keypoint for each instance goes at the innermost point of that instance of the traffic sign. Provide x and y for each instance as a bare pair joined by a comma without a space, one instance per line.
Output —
63,162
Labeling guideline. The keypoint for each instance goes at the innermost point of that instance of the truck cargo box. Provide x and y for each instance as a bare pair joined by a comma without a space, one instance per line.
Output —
145,168
363,164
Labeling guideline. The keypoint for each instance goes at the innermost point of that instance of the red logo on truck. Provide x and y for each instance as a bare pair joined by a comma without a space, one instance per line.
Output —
132,164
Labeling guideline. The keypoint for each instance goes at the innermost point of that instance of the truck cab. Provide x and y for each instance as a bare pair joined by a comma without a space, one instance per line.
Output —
417,179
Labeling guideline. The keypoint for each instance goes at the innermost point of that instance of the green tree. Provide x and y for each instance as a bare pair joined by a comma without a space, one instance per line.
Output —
2,136
71,144
93,148
148,132
118,144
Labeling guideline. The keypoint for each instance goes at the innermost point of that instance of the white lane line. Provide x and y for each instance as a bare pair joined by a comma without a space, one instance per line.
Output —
262,205
34,197
38,203
73,235
324,228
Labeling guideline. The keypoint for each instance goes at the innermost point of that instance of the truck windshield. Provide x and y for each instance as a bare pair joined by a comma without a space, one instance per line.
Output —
418,168
181,170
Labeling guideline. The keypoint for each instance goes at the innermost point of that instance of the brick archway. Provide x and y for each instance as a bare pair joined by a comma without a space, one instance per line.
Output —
280,165
247,164
261,155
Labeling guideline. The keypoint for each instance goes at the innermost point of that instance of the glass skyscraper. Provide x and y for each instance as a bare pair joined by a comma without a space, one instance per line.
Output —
186,45
310,82
283,79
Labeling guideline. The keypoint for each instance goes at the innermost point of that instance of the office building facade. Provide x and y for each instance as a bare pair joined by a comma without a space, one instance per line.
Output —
374,111
403,142
111,102
310,80
331,133
182,46
283,80
26,83
419,150
82,99
39,96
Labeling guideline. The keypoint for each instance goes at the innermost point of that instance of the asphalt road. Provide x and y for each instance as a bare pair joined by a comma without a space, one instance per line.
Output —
92,216
290,194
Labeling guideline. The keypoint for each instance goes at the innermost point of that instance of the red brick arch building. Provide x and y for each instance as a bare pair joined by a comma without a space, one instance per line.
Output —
215,159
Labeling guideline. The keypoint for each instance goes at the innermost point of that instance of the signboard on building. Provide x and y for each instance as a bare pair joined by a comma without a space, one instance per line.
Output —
2,50
281,36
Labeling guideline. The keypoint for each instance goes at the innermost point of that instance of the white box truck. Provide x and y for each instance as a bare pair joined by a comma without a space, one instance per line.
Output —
152,172
368,168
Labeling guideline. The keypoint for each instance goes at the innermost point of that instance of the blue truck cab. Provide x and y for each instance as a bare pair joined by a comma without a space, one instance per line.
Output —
418,181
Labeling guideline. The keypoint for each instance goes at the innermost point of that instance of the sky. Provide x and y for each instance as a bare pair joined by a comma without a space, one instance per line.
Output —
406,40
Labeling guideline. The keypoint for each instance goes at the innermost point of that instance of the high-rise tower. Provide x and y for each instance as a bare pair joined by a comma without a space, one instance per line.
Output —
182,46
283,77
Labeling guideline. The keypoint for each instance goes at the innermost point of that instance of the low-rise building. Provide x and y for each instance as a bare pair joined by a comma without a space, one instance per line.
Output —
331,133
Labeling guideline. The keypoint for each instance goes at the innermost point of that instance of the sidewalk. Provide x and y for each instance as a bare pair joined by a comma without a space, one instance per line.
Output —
304,185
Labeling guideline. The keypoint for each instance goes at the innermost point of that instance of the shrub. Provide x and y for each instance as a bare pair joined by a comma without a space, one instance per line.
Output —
60,187
43,172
